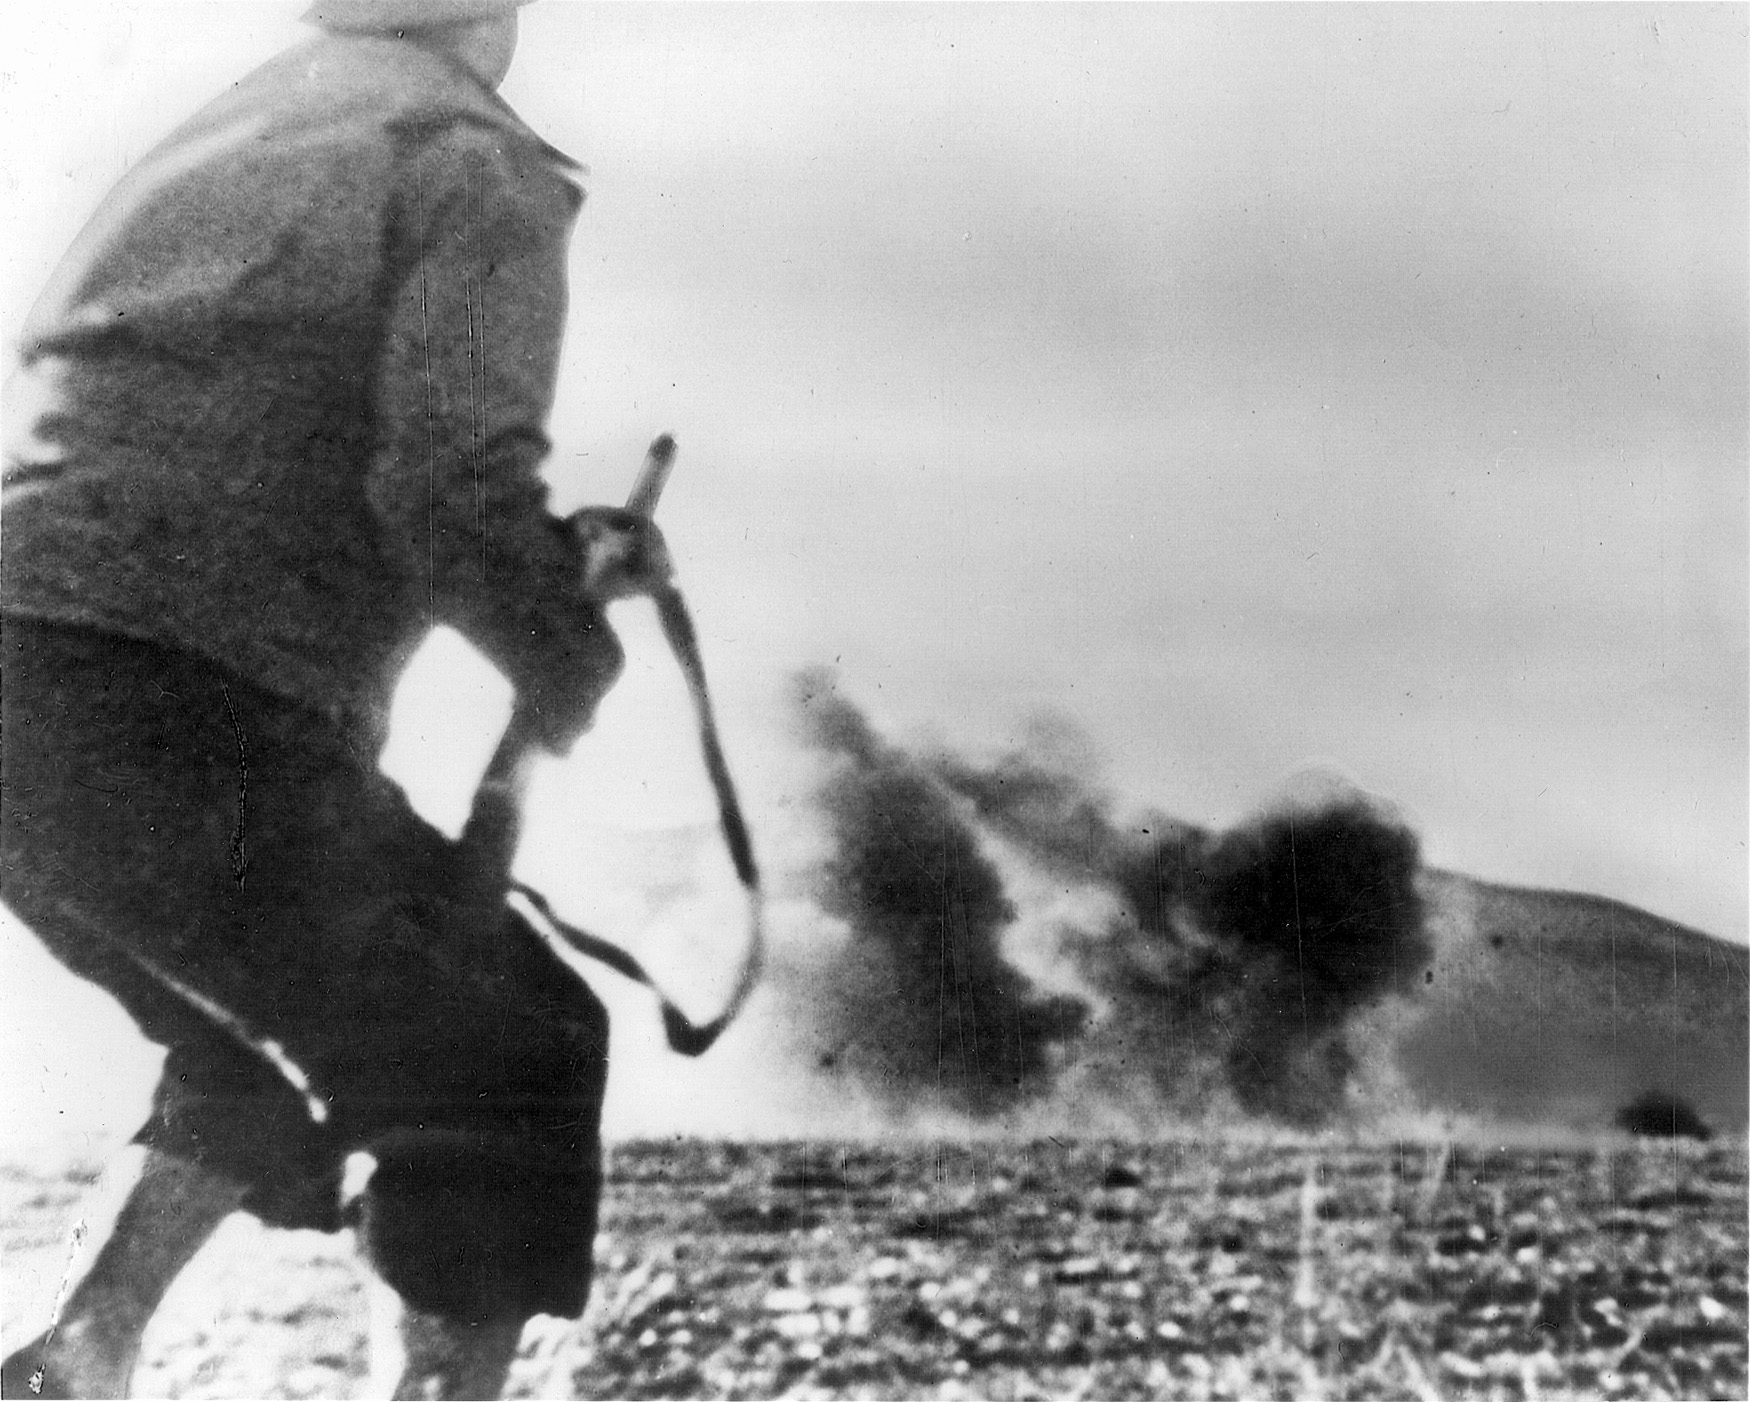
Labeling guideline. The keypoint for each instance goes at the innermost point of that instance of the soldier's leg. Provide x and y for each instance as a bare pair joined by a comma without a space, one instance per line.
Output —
91,1350
481,1209
415,1353
467,1245
460,1267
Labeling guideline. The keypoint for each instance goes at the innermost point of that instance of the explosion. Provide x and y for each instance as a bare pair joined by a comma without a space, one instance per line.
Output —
1282,929
1230,977
924,1003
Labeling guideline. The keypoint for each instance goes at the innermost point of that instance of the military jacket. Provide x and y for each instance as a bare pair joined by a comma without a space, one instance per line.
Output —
299,367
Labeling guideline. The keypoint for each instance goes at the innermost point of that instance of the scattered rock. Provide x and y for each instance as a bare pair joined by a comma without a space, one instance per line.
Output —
1661,1116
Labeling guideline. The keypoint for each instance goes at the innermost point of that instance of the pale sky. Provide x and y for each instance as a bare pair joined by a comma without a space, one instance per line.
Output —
1261,386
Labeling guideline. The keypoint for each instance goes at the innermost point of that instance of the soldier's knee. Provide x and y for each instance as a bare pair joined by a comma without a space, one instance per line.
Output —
480,1234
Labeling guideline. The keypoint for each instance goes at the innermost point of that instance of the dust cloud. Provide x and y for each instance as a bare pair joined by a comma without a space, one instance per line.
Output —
1011,949
923,1002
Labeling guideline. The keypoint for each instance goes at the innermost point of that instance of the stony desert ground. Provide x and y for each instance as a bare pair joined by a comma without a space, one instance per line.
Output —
1246,1266
998,1125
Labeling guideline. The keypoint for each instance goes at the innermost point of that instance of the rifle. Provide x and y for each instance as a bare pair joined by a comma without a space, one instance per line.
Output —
494,824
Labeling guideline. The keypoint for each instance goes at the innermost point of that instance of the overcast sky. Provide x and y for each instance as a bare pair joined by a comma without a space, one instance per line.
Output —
1260,386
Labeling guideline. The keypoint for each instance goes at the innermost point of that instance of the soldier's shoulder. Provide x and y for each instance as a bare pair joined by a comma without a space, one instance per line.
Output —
358,90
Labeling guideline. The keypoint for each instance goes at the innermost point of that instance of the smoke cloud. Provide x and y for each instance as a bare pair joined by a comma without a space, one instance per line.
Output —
1218,975
923,1006
1279,931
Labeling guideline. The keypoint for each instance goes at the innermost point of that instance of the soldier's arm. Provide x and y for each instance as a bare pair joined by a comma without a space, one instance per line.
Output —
476,309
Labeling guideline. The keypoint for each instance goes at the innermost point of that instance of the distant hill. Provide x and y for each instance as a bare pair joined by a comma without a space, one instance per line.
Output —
1554,1007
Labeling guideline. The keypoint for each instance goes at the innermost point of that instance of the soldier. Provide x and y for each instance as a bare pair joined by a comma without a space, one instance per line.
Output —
301,362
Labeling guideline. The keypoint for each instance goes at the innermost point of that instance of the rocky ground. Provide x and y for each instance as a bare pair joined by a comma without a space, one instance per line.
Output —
1237,1268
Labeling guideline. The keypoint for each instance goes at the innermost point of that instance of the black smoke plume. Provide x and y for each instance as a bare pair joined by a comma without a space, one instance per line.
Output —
1234,972
1249,949
1284,928
924,1008
1041,803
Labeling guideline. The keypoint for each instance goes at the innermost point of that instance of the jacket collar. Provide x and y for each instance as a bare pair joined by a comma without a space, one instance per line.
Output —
426,79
